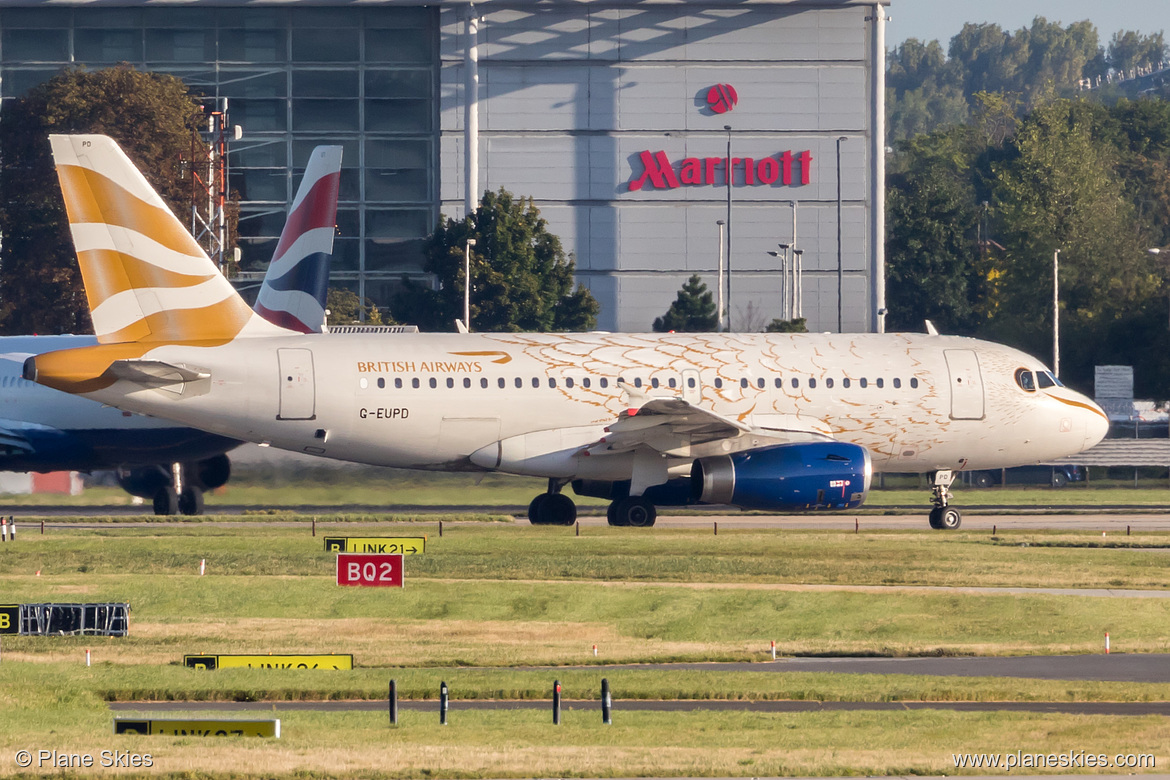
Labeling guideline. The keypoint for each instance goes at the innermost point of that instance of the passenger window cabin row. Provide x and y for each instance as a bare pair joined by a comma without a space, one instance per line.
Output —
655,383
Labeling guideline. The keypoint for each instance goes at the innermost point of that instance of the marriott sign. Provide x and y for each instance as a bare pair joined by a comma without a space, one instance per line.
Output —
777,169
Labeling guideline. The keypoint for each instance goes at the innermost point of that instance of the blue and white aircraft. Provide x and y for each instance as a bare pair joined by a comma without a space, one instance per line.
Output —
46,430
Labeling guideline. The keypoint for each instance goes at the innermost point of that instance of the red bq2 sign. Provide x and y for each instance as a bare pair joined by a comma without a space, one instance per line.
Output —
371,570
662,174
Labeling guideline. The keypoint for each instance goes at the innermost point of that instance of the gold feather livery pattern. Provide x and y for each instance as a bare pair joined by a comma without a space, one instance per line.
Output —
146,278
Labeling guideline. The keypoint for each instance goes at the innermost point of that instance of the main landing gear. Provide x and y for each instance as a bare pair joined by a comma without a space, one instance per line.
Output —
178,497
553,507
631,510
943,517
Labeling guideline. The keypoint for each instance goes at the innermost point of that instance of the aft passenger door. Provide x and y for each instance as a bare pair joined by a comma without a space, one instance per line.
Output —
966,384
298,393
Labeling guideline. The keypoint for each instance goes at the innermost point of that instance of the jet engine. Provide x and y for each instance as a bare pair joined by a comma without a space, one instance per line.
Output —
794,477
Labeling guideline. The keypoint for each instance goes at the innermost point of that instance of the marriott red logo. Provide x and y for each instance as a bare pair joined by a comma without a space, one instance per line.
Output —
662,174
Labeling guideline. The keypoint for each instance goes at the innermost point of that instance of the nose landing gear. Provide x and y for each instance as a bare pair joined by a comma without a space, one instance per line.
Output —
942,516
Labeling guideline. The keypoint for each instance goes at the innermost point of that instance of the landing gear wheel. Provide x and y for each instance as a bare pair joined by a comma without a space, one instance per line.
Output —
942,516
534,508
557,509
191,501
945,518
635,511
166,501
611,514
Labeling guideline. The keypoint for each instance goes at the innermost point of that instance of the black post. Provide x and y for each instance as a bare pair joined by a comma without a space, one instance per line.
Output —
578,524
606,703
393,703
314,525
440,529
443,697
556,702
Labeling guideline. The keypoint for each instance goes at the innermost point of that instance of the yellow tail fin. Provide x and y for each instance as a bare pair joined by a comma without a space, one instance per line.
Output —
146,278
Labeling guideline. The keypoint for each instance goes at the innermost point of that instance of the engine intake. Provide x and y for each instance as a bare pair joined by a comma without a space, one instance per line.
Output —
793,477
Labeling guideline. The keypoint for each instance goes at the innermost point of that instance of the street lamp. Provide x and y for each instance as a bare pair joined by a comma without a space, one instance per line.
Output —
720,223
782,255
467,283
1056,314
1155,251
798,282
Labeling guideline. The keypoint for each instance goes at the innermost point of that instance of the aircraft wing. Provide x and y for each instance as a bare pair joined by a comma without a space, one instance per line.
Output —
676,427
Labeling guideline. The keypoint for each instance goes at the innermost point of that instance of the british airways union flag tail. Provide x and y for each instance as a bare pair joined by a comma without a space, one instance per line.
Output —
293,294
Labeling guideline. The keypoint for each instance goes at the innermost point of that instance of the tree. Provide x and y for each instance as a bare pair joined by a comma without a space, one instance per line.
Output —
693,310
1129,49
924,88
934,267
794,325
345,308
521,278
151,115
1061,190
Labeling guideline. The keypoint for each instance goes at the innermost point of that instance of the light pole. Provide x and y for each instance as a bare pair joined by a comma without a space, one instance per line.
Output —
798,281
720,223
1155,251
840,265
467,283
782,255
1056,314
730,176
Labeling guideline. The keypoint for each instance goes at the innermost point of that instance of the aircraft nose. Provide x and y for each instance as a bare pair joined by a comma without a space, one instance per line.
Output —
1096,424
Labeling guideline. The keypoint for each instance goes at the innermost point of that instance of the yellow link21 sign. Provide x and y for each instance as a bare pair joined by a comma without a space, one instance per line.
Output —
392,545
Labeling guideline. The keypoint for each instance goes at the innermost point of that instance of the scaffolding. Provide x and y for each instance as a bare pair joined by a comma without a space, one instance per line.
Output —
208,173
109,619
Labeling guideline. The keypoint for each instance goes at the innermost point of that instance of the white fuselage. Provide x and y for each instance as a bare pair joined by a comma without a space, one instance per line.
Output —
42,429
528,403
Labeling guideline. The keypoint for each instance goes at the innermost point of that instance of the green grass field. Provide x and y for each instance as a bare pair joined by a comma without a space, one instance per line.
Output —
488,601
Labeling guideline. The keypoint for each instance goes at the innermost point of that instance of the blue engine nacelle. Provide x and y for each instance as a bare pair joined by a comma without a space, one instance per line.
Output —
793,477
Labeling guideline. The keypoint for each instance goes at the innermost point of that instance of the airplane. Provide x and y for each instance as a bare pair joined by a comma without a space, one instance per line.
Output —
45,430
781,422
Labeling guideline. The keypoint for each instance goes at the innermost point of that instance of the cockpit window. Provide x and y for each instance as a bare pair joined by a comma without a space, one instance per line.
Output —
1026,379
1046,379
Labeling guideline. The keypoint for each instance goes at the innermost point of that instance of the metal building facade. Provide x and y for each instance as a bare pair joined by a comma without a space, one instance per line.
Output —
575,100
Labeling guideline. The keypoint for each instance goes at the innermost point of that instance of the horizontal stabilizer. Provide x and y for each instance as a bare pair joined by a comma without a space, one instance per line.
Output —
153,373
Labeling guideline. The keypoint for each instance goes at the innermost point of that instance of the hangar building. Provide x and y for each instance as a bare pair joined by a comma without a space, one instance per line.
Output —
617,116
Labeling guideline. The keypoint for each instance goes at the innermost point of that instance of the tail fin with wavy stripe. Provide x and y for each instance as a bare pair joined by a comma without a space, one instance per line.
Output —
297,282
146,278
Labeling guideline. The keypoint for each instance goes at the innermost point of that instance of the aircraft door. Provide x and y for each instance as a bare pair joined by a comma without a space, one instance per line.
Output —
966,384
298,393
692,386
